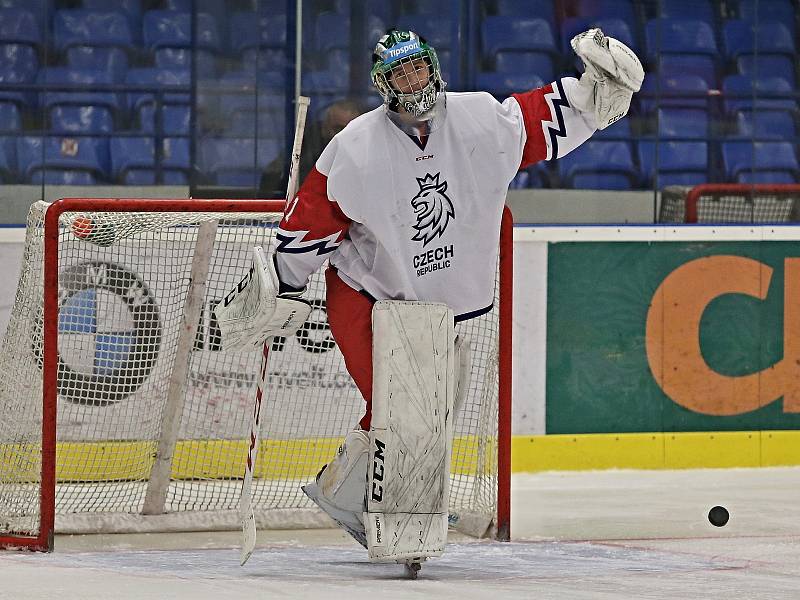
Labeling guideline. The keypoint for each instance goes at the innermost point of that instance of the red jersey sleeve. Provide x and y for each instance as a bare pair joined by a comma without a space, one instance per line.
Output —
312,227
553,126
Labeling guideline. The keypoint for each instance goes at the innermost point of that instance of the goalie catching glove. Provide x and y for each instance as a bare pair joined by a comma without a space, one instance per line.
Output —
613,73
255,310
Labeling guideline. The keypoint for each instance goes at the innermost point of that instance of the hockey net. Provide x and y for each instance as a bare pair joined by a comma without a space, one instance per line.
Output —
730,203
120,413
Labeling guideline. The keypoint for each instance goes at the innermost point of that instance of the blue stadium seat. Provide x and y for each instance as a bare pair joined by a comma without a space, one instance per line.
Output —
18,64
746,37
10,119
113,61
541,9
741,92
770,65
78,27
601,181
332,81
133,161
170,29
502,85
53,176
8,159
181,58
431,7
705,67
37,153
81,119
702,10
684,46
445,64
521,181
252,30
319,102
782,11
618,131
679,36
688,91
19,26
740,157
236,162
539,176
600,165
262,124
274,7
267,59
132,9
768,177
679,163
437,30
162,79
770,124
175,119
40,9
331,31
168,34
512,33
614,27
84,78
244,99
523,65
691,123
608,9
382,10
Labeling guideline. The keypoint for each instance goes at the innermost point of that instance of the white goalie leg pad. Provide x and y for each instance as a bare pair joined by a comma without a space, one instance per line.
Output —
252,311
412,428
339,487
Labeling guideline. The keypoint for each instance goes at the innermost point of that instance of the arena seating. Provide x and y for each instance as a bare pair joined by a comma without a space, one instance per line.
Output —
719,73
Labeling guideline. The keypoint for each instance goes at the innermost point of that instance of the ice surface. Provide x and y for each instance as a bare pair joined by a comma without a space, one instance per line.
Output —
625,534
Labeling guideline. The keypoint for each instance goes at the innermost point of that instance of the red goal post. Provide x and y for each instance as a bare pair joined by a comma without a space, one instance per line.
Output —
730,203
58,469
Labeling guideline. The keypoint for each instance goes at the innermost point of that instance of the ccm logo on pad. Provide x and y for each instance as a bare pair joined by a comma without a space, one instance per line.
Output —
377,471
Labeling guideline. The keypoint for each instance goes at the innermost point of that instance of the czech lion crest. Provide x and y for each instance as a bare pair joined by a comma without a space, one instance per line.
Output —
432,208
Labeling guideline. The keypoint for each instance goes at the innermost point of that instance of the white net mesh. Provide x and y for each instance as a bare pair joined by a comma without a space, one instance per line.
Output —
123,282
733,204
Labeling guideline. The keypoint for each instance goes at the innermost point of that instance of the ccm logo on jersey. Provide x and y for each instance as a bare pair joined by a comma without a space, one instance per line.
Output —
423,157
377,471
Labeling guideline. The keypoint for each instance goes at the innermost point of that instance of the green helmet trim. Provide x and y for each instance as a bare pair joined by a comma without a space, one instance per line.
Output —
392,50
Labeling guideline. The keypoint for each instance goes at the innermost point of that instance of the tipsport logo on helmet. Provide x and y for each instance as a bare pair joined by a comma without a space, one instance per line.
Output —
400,50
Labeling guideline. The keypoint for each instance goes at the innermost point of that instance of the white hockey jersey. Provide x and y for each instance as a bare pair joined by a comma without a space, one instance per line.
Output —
404,220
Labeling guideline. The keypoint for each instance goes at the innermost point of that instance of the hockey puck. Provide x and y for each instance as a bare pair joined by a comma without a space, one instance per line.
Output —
718,516
99,234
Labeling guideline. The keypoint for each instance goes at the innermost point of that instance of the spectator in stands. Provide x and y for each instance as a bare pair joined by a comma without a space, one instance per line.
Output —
317,135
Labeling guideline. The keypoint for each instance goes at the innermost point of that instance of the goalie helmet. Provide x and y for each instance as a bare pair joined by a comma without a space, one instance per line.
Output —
405,70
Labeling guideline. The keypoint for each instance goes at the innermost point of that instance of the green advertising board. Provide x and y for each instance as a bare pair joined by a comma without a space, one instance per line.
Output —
672,336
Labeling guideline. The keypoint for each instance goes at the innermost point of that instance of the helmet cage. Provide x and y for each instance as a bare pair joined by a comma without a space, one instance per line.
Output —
396,50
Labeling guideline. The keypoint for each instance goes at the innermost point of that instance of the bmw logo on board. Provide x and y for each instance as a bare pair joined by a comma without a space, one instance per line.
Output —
109,333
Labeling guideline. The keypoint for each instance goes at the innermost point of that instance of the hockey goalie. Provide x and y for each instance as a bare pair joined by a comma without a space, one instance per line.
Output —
405,204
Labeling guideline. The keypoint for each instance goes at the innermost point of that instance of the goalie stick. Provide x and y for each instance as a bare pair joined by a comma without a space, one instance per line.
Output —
246,515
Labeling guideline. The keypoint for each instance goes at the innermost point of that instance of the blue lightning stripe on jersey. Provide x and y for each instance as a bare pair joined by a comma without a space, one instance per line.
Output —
285,244
558,103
